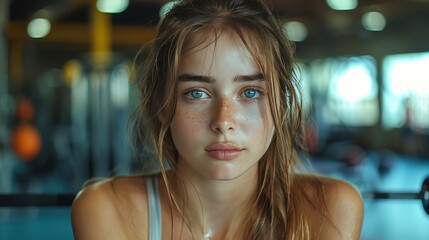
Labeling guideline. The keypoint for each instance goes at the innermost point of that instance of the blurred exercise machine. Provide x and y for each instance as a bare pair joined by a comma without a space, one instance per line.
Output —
423,195
43,200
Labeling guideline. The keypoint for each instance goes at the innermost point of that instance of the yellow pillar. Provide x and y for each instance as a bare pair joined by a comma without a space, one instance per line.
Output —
101,36
15,63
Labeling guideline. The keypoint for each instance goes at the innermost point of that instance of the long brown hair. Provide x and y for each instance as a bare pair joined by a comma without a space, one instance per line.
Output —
276,212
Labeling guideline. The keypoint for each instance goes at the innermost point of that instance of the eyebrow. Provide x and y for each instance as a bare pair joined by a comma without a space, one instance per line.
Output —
195,78
248,78
208,79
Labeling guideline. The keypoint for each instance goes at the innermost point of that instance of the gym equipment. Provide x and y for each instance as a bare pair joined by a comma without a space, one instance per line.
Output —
423,195
25,110
44,200
26,142
36,200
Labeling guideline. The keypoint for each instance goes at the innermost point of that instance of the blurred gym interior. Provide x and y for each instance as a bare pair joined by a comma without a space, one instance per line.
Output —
66,94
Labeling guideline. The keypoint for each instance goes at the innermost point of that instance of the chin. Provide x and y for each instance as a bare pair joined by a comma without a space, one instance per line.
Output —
226,173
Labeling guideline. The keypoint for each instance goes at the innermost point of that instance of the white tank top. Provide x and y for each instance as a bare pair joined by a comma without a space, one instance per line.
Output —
154,209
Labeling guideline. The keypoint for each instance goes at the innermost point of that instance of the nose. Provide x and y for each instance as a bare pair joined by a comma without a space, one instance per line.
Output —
224,117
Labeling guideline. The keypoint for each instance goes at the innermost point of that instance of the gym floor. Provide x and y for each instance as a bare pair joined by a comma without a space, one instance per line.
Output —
384,219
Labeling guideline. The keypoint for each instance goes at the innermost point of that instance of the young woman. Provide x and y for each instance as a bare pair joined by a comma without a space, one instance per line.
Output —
221,113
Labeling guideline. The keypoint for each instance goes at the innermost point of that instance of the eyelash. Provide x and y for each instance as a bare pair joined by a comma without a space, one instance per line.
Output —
188,94
258,93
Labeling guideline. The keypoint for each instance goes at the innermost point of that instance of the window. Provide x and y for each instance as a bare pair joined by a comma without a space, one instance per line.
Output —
406,90
345,90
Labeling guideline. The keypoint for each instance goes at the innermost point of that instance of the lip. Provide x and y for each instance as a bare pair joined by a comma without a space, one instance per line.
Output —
224,151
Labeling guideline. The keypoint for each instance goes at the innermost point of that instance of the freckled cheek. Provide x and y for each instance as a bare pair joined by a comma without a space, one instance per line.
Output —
256,118
250,113
188,119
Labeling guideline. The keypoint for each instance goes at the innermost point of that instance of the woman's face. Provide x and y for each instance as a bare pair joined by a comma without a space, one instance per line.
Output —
222,125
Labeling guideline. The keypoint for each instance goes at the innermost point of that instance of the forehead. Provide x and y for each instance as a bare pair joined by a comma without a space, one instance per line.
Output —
212,39
209,51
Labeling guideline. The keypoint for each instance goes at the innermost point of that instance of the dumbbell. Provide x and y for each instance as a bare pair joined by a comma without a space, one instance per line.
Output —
423,195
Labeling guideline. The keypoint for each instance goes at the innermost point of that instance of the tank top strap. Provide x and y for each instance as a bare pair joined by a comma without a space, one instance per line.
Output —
154,209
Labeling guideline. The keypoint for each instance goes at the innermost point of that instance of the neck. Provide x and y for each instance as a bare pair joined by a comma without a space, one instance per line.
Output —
216,208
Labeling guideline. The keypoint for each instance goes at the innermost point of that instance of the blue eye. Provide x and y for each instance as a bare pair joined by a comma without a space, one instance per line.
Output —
251,93
196,94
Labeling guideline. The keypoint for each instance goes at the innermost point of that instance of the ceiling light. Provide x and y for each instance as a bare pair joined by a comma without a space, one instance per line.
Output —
112,6
342,5
295,31
39,28
374,21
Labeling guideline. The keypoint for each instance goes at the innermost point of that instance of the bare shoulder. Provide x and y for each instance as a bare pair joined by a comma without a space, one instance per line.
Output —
343,207
107,208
